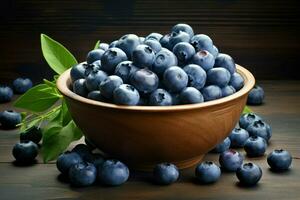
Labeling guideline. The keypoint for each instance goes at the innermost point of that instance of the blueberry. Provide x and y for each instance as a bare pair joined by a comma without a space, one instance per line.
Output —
113,44
126,94
223,146
207,172
79,87
82,174
211,92
247,119
175,79
108,86
33,134
201,42
94,79
97,160
154,44
214,51
103,46
177,37
6,94
111,58
66,160
238,137
236,81
165,41
82,150
78,71
124,70
259,128
218,76
25,152
141,39
94,55
190,95
144,80
21,85
249,174
184,28
203,58
143,56
9,119
231,160
225,61
279,160
256,96
160,97
163,60
113,173
128,43
255,146
94,66
184,52
97,96
197,76
154,36
227,90
165,173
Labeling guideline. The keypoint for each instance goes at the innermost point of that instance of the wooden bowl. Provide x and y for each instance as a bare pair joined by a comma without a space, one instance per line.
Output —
143,136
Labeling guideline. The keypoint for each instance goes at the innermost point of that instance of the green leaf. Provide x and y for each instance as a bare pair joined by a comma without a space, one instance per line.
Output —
38,99
247,110
56,55
97,44
57,138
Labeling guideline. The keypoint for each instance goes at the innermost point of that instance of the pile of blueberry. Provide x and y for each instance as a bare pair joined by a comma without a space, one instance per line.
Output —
158,70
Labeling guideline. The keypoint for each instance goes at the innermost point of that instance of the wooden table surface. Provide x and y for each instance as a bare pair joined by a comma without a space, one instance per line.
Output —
281,110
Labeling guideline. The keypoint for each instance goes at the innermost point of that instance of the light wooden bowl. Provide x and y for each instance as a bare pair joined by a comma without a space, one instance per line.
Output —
143,136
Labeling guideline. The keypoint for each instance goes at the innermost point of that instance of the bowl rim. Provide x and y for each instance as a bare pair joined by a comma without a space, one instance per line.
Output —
249,81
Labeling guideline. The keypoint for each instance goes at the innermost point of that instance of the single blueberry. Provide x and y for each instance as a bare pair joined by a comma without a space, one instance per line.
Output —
154,44
21,85
78,72
125,69
112,44
184,52
165,173
225,61
144,80
249,174
25,152
175,79
201,42
97,96
227,90
223,146
211,92
9,119
231,160
190,95
163,60
236,81
108,86
6,94
247,119
218,76
103,46
154,36
238,137
203,58
113,173
255,146
177,37
184,28
33,134
128,43
94,55
93,80
207,172
165,42
82,174
259,128
111,58
279,160
66,160
79,87
256,96
197,76
143,56
160,97
126,94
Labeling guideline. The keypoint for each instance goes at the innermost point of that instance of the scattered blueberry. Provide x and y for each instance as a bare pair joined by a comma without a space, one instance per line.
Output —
231,160
66,160
218,76
94,55
128,43
207,172
256,96
197,76
96,159
25,152
279,160
227,90
175,79
111,58
238,137
247,119
126,94
184,28
163,60
33,134
165,173
236,81
204,59
108,86
144,80
223,146
6,94
143,56
255,146
79,87
259,128
82,174
190,95
94,79
211,92
225,61
160,97
184,52
249,174
21,85
9,119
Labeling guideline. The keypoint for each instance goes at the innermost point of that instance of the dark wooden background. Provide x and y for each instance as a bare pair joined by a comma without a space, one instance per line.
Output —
263,35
